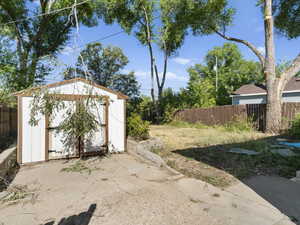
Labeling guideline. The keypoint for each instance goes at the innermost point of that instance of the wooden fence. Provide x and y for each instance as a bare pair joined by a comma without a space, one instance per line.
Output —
8,122
221,115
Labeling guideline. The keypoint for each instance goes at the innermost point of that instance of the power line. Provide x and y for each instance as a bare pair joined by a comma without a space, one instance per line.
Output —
44,14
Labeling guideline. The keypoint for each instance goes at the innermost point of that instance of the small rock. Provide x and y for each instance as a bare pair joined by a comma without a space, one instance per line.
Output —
243,151
283,152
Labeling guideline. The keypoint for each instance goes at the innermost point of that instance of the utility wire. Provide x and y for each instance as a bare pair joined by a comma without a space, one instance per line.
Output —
44,14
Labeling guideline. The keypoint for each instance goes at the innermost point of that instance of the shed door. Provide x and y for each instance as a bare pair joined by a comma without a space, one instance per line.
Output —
57,147
96,143
91,145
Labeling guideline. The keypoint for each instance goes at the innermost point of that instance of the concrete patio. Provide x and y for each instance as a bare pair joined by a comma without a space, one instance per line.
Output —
121,189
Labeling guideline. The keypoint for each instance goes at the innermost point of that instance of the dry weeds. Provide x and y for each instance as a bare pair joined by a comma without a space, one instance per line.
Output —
202,153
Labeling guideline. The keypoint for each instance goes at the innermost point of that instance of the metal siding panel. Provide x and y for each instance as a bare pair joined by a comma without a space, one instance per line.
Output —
33,149
82,88
116,126
34,137
26,145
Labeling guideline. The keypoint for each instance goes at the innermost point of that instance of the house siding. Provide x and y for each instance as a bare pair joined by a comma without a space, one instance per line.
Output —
262,99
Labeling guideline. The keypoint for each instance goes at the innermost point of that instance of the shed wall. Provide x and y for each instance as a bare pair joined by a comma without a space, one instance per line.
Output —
116,117
33,146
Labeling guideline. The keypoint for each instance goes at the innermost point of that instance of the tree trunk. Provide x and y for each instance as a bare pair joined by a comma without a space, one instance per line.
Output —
275,83
149,39
273,114
274,107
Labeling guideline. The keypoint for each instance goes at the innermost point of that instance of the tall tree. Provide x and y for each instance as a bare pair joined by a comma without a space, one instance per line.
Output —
284,11
200,91
39,33
227,70
104,66
140,16
287,17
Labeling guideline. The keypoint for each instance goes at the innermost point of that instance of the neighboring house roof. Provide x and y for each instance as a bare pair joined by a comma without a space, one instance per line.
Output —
258,89
30,90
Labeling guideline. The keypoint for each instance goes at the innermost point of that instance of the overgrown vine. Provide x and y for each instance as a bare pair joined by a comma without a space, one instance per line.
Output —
78,121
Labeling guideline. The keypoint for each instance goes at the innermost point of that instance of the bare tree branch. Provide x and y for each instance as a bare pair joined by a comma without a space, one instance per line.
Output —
248,44
292,70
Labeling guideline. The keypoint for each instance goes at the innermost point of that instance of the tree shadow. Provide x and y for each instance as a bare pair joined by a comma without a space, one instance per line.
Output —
267,174
244,166
82,218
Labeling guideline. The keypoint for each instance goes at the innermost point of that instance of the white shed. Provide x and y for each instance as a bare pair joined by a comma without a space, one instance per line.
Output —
43,142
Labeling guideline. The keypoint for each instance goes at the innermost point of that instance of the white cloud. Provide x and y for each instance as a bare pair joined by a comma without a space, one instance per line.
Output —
174,76
182,61
140,73
68,50
261,49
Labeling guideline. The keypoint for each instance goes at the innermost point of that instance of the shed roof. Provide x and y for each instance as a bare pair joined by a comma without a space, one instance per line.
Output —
251,89
56,84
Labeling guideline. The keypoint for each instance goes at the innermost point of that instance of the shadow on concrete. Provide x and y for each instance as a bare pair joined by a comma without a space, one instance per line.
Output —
267,174
83,218
282,193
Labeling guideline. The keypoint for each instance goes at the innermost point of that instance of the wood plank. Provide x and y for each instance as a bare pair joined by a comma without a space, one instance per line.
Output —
46,138
20,130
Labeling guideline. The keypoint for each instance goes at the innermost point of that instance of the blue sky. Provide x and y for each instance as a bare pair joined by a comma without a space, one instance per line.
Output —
248,24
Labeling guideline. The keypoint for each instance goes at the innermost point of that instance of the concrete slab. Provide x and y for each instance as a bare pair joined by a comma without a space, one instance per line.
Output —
284,152
243,151
123,190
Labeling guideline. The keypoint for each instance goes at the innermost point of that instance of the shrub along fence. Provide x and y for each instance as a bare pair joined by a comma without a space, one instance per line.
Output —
8,125
221,115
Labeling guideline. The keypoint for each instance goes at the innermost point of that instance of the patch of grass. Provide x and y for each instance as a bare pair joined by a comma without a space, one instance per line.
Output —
203,154
171,164
156,150
182,124
78,167
238,125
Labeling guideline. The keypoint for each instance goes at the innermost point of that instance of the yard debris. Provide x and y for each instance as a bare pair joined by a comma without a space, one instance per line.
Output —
284,152
243,151
79,167
17,193
3,194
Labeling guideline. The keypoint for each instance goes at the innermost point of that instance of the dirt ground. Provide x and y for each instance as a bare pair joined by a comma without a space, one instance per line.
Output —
123,190
202,153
